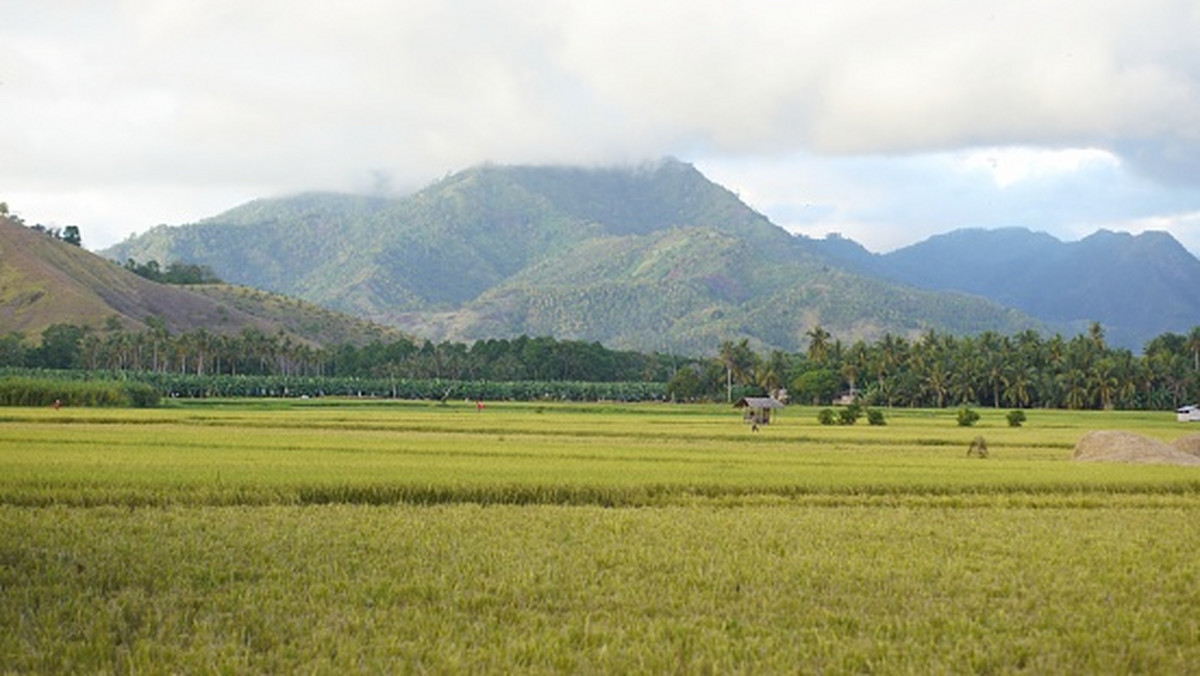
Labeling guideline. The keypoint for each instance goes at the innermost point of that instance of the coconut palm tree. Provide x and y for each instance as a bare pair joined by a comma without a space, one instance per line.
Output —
1193,347
1018,380
818,344
1075,388
937,383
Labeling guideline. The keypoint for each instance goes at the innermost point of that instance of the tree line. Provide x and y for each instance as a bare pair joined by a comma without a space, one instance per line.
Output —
255,352
934,369
937,370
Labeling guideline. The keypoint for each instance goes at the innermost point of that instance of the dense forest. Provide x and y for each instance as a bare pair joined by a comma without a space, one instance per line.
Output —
1024,370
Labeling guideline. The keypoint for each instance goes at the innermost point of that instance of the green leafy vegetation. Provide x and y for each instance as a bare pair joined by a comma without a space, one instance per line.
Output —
1023,371
16,391
849,415
253,352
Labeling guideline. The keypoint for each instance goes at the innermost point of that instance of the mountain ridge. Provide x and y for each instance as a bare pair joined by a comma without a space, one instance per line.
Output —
1132,284
650,257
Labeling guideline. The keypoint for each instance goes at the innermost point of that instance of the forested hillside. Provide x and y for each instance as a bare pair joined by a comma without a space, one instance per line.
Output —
655,257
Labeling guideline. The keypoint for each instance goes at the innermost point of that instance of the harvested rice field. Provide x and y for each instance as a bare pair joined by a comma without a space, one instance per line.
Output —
346,536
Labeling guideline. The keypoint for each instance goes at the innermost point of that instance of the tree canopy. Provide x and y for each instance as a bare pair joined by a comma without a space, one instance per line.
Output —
1023,370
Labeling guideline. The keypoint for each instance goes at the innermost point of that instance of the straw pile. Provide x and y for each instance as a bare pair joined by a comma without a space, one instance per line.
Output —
1114,446
1189,444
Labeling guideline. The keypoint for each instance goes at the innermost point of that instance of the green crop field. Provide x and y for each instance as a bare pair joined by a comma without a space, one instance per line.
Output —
331,536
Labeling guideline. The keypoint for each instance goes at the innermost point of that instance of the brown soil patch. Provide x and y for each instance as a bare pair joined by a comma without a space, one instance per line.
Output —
1114,446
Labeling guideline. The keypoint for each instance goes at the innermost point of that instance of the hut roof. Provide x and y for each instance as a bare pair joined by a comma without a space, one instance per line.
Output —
758,402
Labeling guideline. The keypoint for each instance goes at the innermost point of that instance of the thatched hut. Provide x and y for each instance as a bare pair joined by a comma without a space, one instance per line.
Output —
757,410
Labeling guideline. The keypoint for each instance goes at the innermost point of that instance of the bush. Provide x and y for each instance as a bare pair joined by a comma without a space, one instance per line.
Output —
849,415
1015,417
826,416
875,417
967,417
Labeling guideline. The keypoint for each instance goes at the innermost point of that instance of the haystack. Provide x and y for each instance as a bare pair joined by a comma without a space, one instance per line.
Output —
1189,444
1114,446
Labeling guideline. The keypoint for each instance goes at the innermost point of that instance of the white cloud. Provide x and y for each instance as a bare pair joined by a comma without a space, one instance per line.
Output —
887,202
167,104
1008,166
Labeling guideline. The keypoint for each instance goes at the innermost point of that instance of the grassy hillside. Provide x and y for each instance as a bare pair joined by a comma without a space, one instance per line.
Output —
45,281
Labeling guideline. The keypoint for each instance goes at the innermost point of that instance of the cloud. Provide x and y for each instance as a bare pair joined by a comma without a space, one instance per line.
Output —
151,101
1009,166
886,202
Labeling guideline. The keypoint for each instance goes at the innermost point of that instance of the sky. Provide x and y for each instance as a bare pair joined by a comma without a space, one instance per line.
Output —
884,121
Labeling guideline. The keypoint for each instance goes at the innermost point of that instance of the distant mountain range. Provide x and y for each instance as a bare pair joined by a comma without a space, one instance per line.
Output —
1137,287
657,257
46,281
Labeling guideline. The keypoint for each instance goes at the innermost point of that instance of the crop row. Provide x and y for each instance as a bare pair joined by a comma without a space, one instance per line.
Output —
585,589
385,453
185,385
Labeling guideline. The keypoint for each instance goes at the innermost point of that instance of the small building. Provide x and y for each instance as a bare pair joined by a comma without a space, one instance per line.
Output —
1190,413
846,398
757,410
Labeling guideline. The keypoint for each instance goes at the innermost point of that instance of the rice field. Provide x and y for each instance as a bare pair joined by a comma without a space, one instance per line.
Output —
346,536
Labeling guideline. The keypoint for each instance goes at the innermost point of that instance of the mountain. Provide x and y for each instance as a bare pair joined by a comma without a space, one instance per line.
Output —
653,257
1137,287
45,281
269,243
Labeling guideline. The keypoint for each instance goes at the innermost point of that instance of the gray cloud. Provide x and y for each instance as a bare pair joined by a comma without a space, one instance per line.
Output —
149,102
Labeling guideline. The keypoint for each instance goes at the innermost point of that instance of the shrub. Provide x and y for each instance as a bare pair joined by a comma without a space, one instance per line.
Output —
1015,417
826,416
875,417
850,414
967,417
